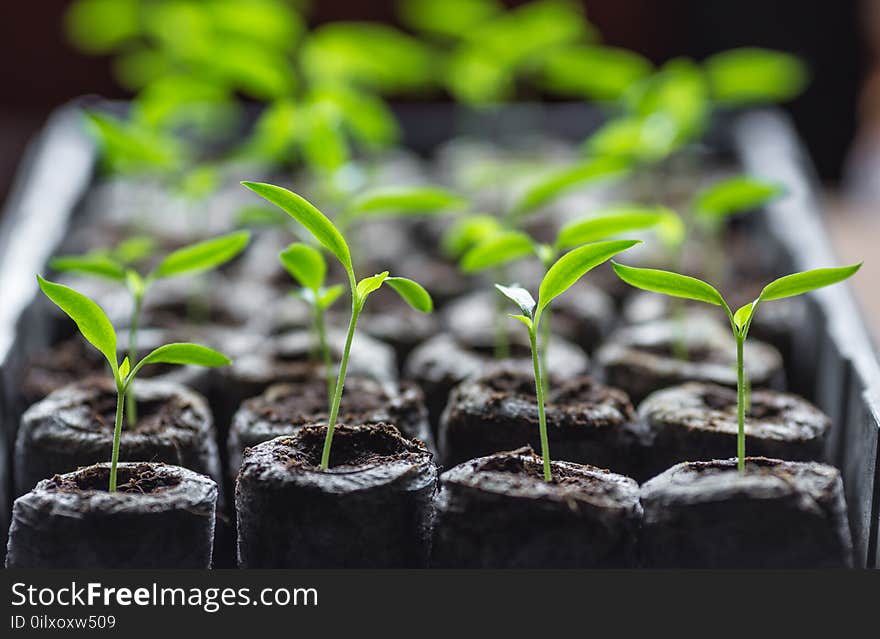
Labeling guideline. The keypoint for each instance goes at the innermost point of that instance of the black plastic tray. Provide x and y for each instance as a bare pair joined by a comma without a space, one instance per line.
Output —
834,361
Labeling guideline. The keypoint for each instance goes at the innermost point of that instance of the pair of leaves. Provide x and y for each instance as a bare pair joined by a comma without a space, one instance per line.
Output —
94,325
320,226
560,181
691,288
567,270
308,267
189,260
508,246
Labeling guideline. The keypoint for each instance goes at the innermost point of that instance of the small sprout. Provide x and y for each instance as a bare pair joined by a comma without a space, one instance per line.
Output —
118,265
94,325
307,266
559,278
333,241
686,287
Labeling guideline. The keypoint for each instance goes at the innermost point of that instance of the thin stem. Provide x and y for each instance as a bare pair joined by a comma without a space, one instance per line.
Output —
117,432
539,391
132,412
740,406
545,343
340,383
325,350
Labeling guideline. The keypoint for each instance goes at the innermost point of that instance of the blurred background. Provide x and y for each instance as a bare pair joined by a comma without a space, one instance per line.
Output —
838,116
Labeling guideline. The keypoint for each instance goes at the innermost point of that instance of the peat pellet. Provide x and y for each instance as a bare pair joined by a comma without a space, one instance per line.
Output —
777,514
443,362
283,408
160,517
582,318
259,362
498,512
698,421
373,507
73,427
587,422
644,358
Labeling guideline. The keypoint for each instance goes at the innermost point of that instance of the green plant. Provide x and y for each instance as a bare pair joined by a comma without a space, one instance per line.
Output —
333,241
686,287
118,265
560,277
307,266
498,247
98,331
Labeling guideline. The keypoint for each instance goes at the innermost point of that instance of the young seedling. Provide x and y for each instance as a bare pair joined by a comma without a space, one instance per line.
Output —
99,332
560,277
686,287
331,239
118,266
485,242
504,247
307,266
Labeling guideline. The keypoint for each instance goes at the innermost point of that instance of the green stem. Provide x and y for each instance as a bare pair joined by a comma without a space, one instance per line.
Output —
539,391
740,406
545,345
325,350
340,383
117,431
132,412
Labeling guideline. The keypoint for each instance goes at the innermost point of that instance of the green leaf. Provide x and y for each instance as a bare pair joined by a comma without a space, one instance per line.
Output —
561,181
743,315
798,283
124,368
412,293
735,195
92,264
525,320
310,217
135,283
305,264
202,256
573,265
255,215
614,221
329,295
752,76
91,321
406,201
595,72
370,284
185,354
469,231
134,249
668,283
502,248
521,297
635,138
449,18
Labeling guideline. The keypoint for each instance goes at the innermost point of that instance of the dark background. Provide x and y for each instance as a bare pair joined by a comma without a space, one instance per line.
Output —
39,70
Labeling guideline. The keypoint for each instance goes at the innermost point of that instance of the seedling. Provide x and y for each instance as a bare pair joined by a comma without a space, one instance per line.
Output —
119,266
686,287
482,242
560,277
307,266
99,332
331,239
499,248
